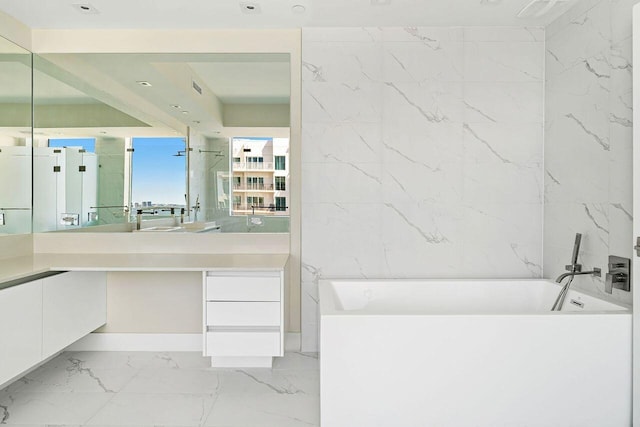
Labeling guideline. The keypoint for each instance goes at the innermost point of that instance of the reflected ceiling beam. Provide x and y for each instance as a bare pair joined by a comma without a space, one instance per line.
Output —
200,100
256,115
82,116
85,77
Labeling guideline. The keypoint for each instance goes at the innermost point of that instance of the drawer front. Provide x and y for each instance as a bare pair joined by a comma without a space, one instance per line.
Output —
243,313
244,343
243,288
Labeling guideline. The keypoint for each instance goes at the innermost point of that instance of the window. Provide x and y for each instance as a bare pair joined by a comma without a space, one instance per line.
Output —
255,183
281,203
260,172
158,178
255,201
255,162
88,144
237,202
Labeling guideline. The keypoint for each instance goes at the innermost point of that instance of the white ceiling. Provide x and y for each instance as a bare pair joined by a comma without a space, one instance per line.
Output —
201,14
112,79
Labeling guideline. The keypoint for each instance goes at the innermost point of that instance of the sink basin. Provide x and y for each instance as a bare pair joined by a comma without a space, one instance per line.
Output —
160,228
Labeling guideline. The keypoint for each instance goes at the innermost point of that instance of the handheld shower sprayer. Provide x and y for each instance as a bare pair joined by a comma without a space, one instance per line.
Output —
574,257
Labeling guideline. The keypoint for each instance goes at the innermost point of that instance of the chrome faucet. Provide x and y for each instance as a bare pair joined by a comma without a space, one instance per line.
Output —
596,272
574,269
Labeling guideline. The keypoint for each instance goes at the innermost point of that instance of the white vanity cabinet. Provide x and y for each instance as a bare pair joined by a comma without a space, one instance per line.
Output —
74,304
243,317
20,329
43,314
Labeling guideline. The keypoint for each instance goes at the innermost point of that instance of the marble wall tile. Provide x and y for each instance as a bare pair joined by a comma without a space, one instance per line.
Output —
588,139
342,63
341,182
417,62
437,102
342,102
504,61
343,239
503,102
500,34
583,36
621,17
430,36
502,240
340,34
350,142
392,178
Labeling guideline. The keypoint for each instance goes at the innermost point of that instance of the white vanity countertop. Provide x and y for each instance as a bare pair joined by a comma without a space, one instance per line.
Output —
20,267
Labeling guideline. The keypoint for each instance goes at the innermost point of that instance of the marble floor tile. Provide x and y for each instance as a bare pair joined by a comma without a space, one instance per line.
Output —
140,409
74,376
51,408
264,410
168,380
267,381
305,361
151,389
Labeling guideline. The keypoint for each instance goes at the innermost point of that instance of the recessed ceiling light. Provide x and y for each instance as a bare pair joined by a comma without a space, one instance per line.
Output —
380,2
185,112
298,9
250,8
176,106
85,8
144,83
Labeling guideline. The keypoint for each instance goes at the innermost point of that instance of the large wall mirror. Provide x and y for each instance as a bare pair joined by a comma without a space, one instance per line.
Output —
161,142
15,139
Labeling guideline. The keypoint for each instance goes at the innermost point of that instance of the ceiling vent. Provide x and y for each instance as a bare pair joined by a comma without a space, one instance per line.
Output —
538,8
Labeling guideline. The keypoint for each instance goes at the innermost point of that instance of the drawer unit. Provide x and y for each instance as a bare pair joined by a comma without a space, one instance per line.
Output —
243,288
243,343
243,313
243,317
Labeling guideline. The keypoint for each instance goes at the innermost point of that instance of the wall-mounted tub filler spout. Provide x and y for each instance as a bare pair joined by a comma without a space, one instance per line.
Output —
574,269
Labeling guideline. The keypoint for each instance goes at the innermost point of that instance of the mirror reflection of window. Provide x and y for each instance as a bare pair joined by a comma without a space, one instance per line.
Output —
158,181
260,174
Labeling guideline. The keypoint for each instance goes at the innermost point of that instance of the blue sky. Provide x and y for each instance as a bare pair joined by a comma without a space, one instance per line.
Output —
158,176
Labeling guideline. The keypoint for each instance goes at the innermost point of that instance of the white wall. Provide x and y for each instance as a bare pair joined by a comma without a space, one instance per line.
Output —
422,155
588,139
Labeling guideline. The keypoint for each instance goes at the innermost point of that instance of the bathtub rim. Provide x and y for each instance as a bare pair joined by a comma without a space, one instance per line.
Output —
327,300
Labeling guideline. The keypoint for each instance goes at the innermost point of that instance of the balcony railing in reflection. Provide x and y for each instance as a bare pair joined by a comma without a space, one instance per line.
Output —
239,166
249,187
259,208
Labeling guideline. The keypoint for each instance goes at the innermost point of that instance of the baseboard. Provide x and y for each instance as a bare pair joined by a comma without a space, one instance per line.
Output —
292,341
138,342
156,342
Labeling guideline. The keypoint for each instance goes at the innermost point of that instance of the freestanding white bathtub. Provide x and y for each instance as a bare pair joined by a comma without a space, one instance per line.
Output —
471,353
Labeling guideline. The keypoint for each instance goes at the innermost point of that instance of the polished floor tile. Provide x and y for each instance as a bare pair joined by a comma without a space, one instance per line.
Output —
149,389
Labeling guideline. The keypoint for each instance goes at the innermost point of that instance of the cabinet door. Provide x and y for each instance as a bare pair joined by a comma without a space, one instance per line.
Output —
20,329
74,304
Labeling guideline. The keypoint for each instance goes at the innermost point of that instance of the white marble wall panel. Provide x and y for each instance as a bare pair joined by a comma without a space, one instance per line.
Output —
588,139
422,155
